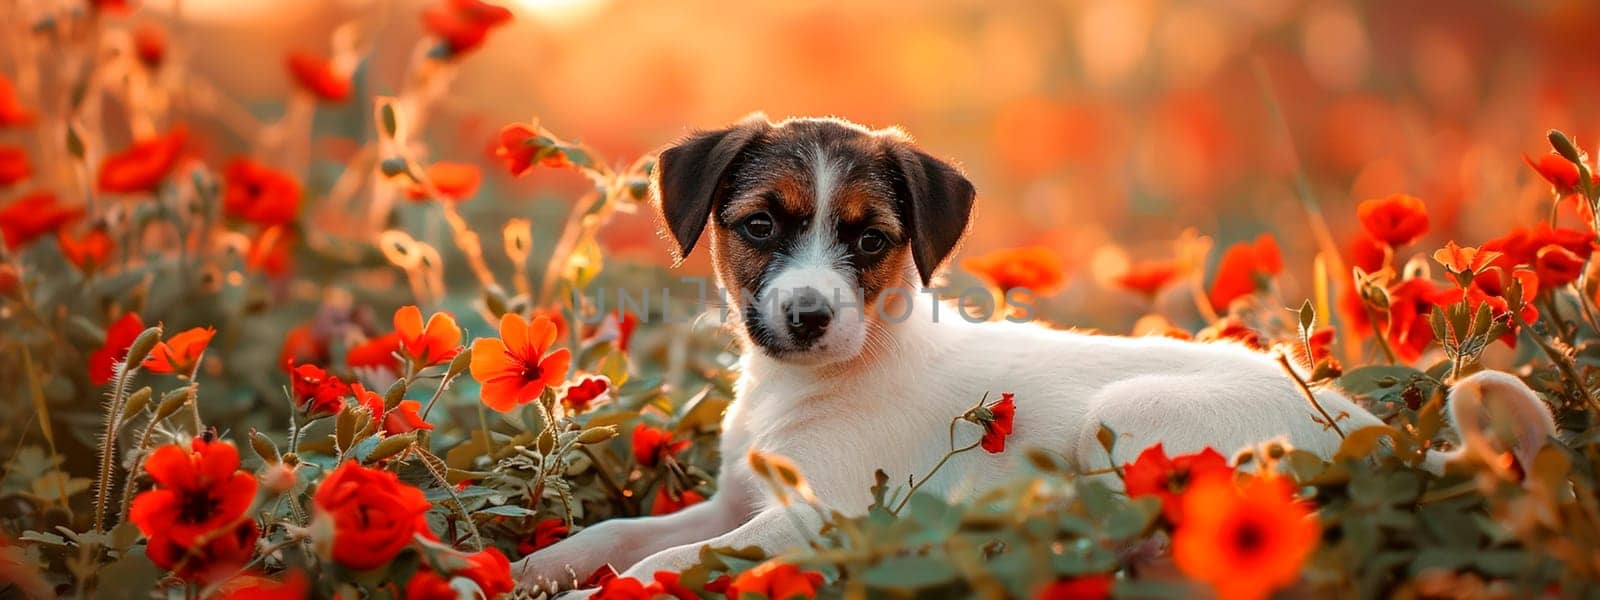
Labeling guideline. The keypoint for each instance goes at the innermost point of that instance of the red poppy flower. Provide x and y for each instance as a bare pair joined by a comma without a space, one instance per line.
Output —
454,181
377,353
89,252
1320,342
251,586
316,75
463,24
774,579
1153,474
580,395
545,533
666,503
149,44
210,557
435,344
520,146
14,165
1233,329
144,165
9,280
1149,277
402,419
625,588
1491,289
998,424
1562,174
618,325
652,445
116,7
199,492
370,515
271,251
1245,268
12,112
1410,302
32,216
316,392
120,335
1524,247
1037,269
1087,587
489,569
1368,254
180,353
1396,220
1558,266
303,345
259,194
514,368
1245,543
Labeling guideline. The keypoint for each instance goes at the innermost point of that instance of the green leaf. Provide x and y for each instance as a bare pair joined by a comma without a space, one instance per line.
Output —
508,510
908,573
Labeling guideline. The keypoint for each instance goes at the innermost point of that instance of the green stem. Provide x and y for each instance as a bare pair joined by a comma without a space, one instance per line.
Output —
918,485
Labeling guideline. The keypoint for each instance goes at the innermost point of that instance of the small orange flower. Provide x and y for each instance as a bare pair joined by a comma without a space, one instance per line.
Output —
33,216
1410,303
1464,262
1087,587
545,533
315,391
1152,473
181,353
1528,247
1245,268
14,165
1396,220
260,194
144,165
12,111
303,344
1245,542
258,587
455,182
1149,277
103,360
520,146
581,395
88,252
271,251
1035,268
435,344
998,424
150,44
666,504
514,368
402,419
462,24
1562,174
652,445
775,579
378,353
1233,329
316,75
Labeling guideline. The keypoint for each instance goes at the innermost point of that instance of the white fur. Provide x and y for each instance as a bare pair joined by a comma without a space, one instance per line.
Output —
891,411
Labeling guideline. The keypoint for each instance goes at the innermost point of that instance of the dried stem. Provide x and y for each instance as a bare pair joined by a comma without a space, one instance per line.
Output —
1283,359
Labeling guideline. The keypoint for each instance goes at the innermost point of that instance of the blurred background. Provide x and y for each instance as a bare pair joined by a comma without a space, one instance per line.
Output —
1099,128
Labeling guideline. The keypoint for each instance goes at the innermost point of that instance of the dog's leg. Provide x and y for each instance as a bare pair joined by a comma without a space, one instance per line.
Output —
774,529
622,542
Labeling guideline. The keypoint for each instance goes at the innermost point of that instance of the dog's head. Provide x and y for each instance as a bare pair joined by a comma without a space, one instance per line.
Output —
819,229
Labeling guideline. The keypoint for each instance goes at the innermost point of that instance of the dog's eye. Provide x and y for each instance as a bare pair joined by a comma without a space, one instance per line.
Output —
872,241
758,226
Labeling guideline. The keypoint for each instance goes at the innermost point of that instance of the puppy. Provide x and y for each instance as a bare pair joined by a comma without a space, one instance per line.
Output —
825,234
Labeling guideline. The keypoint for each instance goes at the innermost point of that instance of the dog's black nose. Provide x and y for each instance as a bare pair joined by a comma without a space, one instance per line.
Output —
807,313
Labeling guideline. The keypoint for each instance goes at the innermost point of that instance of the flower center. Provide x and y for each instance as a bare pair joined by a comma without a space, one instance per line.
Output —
197,507
1248,538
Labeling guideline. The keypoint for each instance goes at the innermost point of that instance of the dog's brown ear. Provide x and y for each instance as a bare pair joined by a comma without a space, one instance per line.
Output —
690,173
935,204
